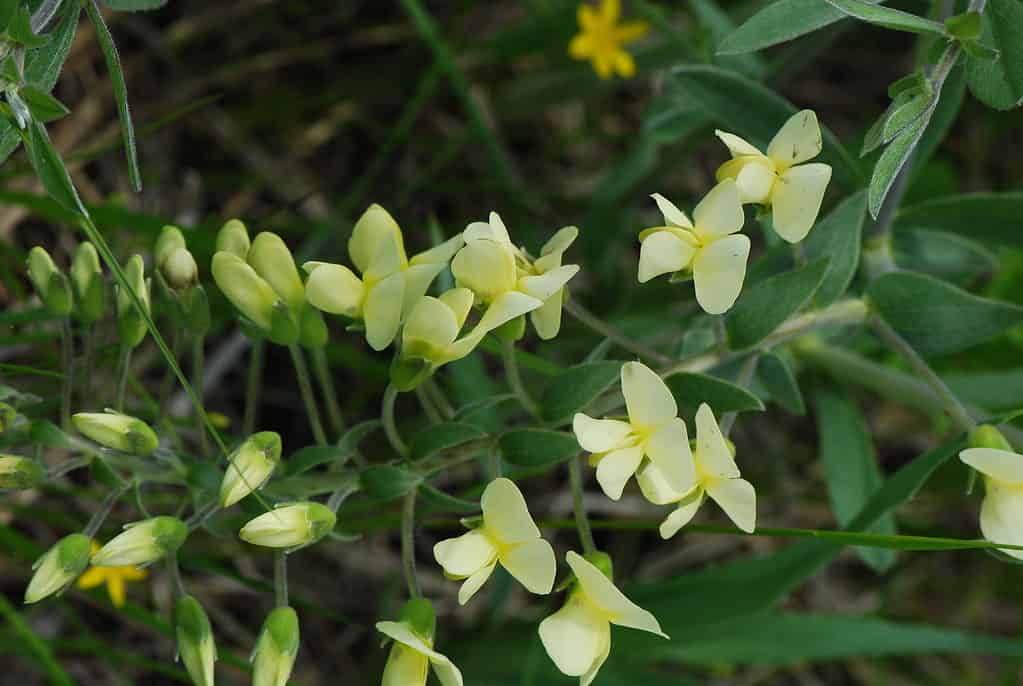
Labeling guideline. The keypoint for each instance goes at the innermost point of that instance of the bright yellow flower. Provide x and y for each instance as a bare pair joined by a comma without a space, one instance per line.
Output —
601,38
113,577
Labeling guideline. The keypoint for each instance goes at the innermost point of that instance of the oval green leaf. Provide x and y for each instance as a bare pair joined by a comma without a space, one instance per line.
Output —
438,437
691,389
764,307
537,447
387,482
575,388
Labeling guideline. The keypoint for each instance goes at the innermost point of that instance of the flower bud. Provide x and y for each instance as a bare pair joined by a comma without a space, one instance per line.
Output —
250,466
118,431
179,270
288,526
17,473
276,649
169,240
58,566
987,436
272,260
195,640
8,415
247,291
50,283
233,238
142,542
131,325
87,283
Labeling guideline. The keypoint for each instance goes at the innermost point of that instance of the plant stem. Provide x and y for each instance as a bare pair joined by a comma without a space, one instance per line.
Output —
390,427
511,373
322,371
87,354
175,574
280,579
439,399
68,345
197,371
426,402
408,552
104,509
69,466
588,319
582,522
123,367
744,380
305,387
167,383
253,386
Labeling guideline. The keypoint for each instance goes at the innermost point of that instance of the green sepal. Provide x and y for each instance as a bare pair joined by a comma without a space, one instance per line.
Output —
987,436
511,331
191,621
313,331
284,329
8,415
419,614
965,27
408,372
281,627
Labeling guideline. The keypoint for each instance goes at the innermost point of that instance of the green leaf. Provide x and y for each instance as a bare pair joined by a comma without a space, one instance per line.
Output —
946,256
50,435
984,217
387,482
305,486
134,5
690,390
444,502
106,44
944,115
781,21
966,26
50,169
777,377
751,110
764,307
438,437
1000,389
935,317
850,467
43,106
838,236
905,115
998,83
312,456
537,447
575,388
20,29
349,442
889,18
719,25
891,162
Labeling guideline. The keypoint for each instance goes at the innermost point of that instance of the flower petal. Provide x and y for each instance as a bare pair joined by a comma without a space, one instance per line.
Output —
474,583
1002,465
603,593
439,254
625,66
712,451
574,636
493,229
560,241
1001,514
418,278
616,468
485,267
405,667
671,213
376,243
547,318
664,252
655,485
546,285
382,310
718,273
738,499
603,651
335,289
599,435
798,140
796,200
505,308
719,213
505,514
466,554
532,563
737,146
647,398
446,671
755,179
668,449
460,302
430,322
681,515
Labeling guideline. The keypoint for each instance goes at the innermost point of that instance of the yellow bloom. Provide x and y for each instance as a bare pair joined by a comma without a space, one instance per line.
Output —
601,38
717,476
710,246
793,190
578,636
1002,508
113,577
412,653
653,431
508,535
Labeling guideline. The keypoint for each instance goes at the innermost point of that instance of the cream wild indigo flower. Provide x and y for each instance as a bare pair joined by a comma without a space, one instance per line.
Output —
547,319
113,578
233,238
131,325
276,648
653,431
412,653
118,431
249,293
717,476
1001,511
390,283
142,542
507,536
709,247
601,38
578,636
290,526
250,466
58,566
18,472
50,283
87,283
779,179
195,640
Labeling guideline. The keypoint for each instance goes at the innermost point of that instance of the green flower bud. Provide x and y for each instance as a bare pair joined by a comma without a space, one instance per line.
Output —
233,238
272,260
247,291
290,526
8,415
250,466
87,283
276,649
987,436
17,473
418,613
142,542
179,270
118,431
58,566
50,283
131,325
195,640
169,240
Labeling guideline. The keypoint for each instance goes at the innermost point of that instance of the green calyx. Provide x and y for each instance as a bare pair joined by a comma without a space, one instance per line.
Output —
419,614
987,436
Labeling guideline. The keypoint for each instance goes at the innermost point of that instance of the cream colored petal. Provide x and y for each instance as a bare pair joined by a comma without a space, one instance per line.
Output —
1000,515
547,318
647,398
737,146
655,486
335,289
560,241
718,273
418,278
664,252
432,322
474,583
439,254
796,200
382,311
712,452
446,671
575,636
376,236
719,213
671,213
738,499
604,649
493,229
546,285
682,514
505,308
603,593
1002,465
486,267
616,468
532,563
442,667
460,301
755,179
405,667
599,435
798,140
272,260
505,514
465,555
668,449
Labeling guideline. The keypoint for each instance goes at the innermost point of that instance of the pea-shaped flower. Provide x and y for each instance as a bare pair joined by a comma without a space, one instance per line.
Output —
290,526
793,190
250,466
709,247
131,324
142,542
578,636
87,283
276,648
412,653
50,283
1002,508
507,536
653,431
390,283
118,431
547,318
717,476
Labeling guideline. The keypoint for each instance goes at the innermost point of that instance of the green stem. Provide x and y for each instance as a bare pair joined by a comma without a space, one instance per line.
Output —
322,371
100,516
592,321
89,350
426,402
174,571
68,466
57,675
123,367
280,579
67,343
167,383
197,373
582,522
253,386
408,552
305,387
439,399
390,427
511,373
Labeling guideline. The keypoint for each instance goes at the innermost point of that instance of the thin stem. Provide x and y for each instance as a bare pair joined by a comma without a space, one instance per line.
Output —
197,372
174,571
89,350
426,402
588,319
582,522
953,407
123,367
511,373
305,387
167,383
322,371
439,399
390,427
744,381
202,515
408,552
280,579
69,466
104,509
253,386
68,345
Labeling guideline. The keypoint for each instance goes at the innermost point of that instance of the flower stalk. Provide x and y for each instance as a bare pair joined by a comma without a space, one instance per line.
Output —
305,387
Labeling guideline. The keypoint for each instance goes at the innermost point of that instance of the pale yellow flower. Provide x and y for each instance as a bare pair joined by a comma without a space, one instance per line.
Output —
113,577
290,525
507,536
717,476
1001,512
709,246
793,190
653,431
601,39
411,657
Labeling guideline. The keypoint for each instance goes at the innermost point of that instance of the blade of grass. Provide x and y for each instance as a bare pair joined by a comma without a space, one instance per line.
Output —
38,646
